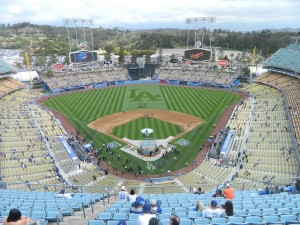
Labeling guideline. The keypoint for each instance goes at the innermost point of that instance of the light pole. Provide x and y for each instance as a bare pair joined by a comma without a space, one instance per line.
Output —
192,20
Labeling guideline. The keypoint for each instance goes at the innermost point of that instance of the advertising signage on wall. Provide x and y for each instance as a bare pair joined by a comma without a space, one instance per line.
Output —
197,54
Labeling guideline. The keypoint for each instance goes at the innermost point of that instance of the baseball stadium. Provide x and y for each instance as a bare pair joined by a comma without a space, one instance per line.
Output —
162,131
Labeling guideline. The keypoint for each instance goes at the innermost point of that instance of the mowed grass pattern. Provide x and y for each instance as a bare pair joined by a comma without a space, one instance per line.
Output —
84,107
202,103
90,105
132,130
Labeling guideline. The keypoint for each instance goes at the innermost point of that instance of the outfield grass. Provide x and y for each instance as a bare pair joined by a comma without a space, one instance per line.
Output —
132,130
84,107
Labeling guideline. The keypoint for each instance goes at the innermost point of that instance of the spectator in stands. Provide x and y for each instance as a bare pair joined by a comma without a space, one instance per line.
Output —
155,206
218,193
198,191
145,218
174,220
64,194
15,218
200,206
297,185
136,207
228,192
153,221
213,210
123,194
228,209
276,190
132,196
122,222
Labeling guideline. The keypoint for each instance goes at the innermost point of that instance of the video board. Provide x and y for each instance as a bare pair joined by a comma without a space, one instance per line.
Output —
197,54
83,56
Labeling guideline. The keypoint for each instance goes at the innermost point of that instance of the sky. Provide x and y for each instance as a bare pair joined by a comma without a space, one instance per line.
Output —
234,15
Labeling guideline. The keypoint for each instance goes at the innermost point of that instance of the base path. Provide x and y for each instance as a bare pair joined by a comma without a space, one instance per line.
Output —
107,123
201,155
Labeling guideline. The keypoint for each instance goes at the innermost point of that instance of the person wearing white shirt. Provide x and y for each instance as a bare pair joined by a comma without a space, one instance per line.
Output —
144,219
213,210
132,196
123,194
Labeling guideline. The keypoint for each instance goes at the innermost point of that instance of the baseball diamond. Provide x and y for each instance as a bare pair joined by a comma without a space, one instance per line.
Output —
95,113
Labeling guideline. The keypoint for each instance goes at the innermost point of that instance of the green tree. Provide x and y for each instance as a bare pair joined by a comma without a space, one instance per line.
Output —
121,55
160,56
109,49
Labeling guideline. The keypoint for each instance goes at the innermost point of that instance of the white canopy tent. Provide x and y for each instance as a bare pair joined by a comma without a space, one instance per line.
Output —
26,76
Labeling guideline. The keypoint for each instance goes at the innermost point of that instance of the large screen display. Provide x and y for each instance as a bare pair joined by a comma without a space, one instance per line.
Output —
83,56
197,54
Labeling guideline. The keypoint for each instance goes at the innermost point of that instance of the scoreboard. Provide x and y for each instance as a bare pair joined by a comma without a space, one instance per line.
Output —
83,56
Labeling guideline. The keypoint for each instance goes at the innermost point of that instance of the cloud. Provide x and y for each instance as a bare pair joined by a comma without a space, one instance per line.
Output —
230,14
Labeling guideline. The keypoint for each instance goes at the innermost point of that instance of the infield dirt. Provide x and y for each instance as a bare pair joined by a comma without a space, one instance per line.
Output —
107,123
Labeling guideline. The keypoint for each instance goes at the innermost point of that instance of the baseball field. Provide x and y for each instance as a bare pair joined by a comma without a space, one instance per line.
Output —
107,115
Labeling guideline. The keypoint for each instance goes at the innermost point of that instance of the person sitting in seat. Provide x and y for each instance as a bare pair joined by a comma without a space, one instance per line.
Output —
64,194
136,207
200,206
145,218
132,196
174,220
228,192
213,210
155,208
15,218
227,209
198,191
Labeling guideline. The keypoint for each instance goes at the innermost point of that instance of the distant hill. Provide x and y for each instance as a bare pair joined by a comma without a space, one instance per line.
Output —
45,40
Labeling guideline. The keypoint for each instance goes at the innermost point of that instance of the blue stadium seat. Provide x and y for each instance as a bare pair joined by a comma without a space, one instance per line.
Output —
236,220
247,207
180,210
272,220
54,216
262,206
290,219
185,221
124,210
254,212
103,216
290,205
96,222
110,210
283,211
133,216
295,211
276,206
65,211
241,212
254,220
269,211
218,220
119,216
164,216
131,222
165,222
112,222
194,214
202,221
182,214
238,207
38,214
167,210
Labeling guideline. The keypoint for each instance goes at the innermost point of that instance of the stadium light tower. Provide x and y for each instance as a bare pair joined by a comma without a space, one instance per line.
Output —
203,20
78,22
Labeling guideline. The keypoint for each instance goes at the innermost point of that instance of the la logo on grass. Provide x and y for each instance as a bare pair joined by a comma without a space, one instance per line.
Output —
137,95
